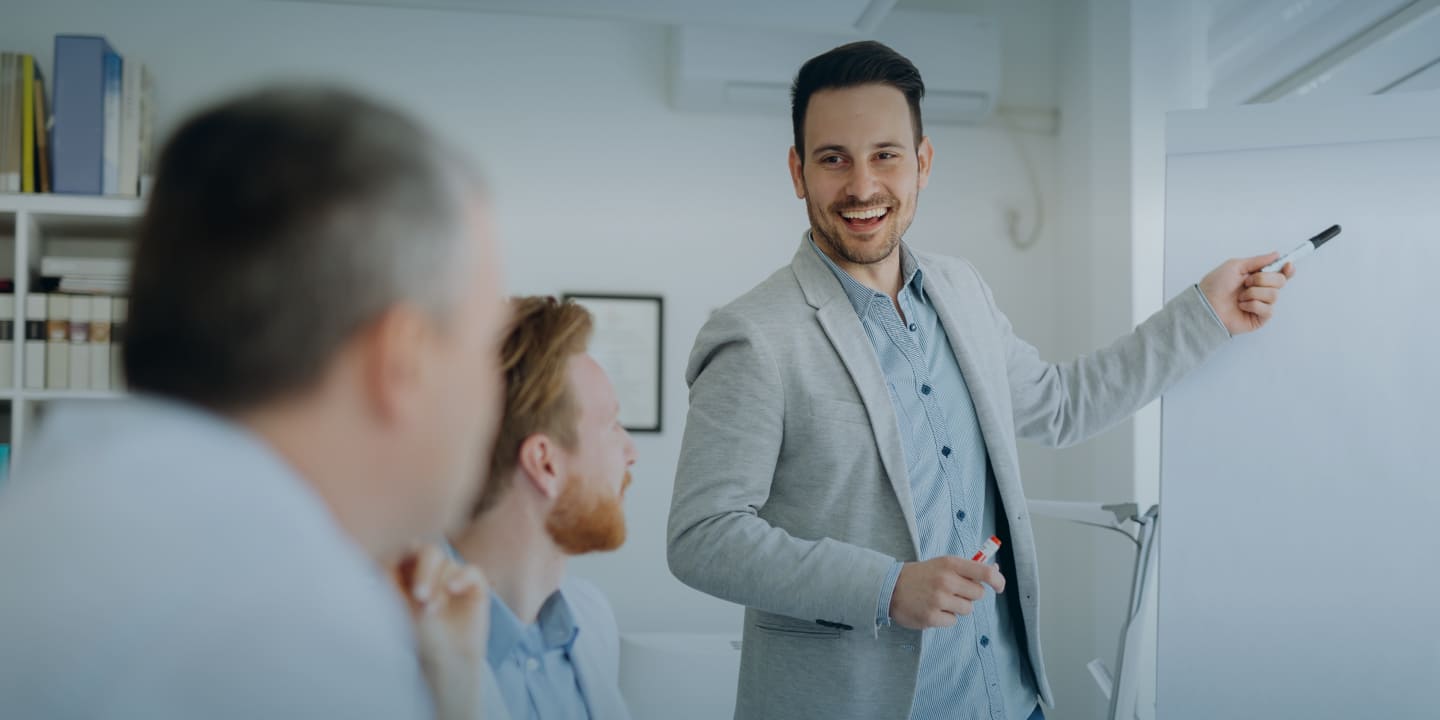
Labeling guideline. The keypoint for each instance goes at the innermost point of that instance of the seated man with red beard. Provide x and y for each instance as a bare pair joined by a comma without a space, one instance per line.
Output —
559,470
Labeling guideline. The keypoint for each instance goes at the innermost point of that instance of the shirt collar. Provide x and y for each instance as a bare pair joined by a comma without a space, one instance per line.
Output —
861,294
556,626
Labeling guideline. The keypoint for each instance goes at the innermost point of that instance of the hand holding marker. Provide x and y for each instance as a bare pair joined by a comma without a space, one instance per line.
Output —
1305,248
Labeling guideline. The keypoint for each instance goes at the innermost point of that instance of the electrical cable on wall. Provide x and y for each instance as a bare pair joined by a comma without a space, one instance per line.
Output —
1012,216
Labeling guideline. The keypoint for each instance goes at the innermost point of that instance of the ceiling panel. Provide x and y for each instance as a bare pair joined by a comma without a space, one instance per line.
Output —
1385,64
1256,45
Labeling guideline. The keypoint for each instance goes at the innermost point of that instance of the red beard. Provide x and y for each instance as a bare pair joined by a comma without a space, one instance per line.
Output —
587,519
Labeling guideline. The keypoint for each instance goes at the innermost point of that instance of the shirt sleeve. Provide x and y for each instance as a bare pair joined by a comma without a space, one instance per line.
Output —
887,593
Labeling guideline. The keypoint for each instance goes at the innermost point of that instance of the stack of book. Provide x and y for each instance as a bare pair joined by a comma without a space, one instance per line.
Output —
100,276
72,342
73,325
92,138
24,159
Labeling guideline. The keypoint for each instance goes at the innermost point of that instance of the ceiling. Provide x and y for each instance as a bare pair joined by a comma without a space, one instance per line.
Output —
1268,50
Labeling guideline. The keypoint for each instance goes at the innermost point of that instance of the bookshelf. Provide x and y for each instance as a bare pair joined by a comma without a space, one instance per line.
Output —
30,226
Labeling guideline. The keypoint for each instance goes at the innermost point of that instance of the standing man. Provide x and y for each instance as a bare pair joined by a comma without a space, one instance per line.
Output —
314,322
556,479
852,429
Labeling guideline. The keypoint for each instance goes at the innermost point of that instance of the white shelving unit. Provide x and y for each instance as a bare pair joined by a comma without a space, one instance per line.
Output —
29,224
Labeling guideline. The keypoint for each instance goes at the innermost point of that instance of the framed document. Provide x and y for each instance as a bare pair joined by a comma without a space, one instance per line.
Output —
629,342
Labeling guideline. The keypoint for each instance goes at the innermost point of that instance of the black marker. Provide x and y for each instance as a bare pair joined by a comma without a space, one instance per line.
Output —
1305,248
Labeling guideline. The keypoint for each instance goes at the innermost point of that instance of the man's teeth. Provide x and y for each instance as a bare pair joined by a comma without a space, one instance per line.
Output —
864,214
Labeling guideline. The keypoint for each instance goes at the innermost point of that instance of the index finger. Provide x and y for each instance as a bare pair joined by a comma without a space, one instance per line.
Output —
428,564
980,572
465,579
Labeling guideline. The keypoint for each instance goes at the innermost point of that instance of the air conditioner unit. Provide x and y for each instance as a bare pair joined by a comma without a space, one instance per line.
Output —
834,16
732,70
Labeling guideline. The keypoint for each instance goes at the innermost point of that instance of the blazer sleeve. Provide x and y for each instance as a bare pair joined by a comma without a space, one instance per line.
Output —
1060,404
718,543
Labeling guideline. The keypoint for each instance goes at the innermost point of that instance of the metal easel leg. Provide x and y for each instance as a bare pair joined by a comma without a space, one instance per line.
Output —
1125,695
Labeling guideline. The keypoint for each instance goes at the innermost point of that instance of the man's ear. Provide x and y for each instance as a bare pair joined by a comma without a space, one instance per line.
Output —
797,173
392,356
924,155
542,465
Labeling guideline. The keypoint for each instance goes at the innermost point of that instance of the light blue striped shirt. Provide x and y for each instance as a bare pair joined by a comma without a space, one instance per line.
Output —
978,668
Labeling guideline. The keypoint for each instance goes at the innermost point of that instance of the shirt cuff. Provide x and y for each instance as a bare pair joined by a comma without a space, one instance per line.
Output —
1213,314
887,592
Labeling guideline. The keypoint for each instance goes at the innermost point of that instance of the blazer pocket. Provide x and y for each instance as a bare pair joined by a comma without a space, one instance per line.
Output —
841,410
797,629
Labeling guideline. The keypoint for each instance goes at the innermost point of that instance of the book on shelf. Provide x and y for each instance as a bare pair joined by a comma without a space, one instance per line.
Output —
11,110
43,126
27,123
57,346
36,334
24,125
79,343
135,119
72,342
78,140
110,174
119,311
85,275
60,266
7,341
91,286
101,310
103,119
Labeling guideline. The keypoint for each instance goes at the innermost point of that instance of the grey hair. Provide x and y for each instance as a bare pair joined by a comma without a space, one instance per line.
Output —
281,223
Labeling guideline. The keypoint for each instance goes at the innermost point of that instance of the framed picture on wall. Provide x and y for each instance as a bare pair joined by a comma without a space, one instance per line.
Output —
629,342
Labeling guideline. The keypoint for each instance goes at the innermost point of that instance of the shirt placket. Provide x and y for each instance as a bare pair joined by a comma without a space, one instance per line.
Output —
966,523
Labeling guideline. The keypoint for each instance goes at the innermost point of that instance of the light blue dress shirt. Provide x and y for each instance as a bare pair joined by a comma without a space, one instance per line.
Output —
978,668
532,663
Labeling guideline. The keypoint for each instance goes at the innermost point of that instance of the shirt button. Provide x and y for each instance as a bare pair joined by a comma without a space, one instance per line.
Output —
912,327
945,451
959,514
532,664
984,641
924,389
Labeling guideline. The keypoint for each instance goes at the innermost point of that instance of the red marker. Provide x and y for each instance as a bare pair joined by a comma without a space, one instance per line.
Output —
988,550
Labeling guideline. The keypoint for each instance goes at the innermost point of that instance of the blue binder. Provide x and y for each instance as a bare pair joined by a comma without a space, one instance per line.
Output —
78,139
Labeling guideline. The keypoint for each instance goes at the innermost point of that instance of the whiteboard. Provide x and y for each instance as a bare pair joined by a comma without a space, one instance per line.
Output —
1299,570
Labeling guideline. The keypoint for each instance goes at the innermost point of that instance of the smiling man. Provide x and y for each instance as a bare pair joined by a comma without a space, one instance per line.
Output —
852,429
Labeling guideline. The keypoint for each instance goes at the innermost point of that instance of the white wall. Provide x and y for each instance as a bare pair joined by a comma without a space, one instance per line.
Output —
1085,601
598,185
1126,64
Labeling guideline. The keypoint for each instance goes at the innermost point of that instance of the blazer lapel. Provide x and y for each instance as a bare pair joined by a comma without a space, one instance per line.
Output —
838,319
960,328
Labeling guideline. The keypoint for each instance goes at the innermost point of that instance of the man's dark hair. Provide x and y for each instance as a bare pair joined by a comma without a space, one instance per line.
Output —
280,224
858,63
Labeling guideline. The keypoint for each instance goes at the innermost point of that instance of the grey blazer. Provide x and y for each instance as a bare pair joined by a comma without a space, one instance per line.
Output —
791,495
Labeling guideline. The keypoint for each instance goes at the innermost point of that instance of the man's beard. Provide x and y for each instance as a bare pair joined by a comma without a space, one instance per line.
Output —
828,228
587,519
